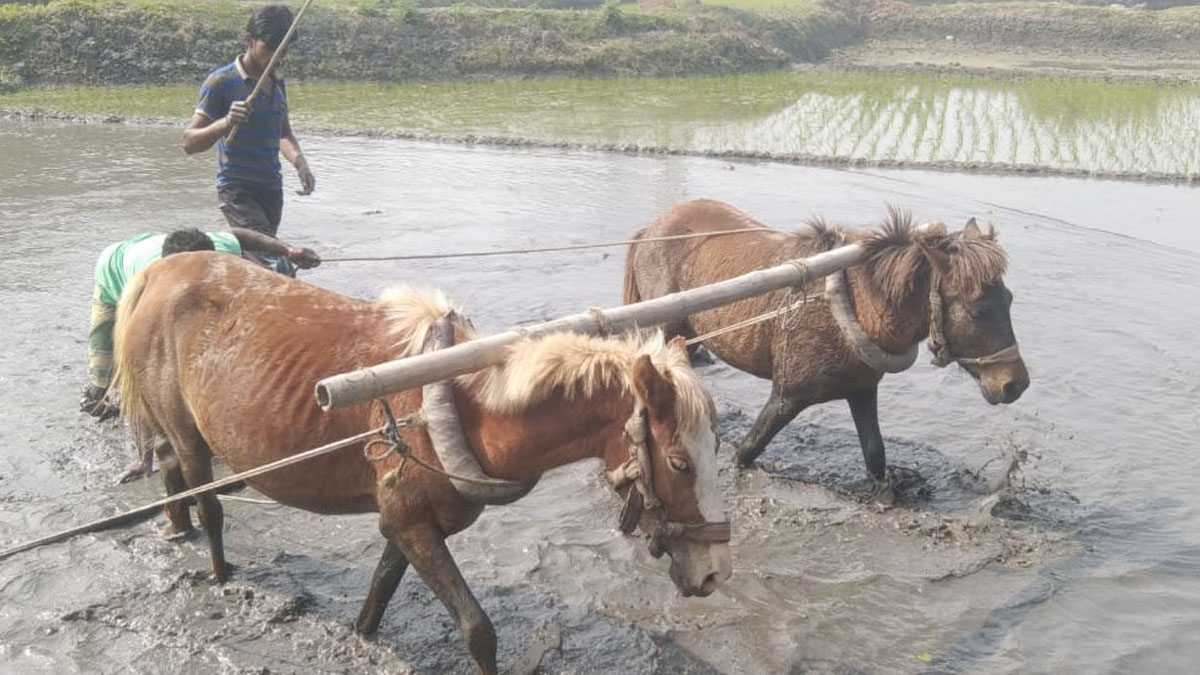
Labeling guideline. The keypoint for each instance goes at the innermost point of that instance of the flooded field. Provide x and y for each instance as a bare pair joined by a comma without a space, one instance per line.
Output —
1087,560
1122,129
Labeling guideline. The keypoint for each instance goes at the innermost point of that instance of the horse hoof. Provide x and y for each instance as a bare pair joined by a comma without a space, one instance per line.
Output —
884,495
219,578
745,460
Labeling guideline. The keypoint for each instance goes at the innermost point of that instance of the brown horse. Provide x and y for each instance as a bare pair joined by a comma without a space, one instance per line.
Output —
220,356
915,282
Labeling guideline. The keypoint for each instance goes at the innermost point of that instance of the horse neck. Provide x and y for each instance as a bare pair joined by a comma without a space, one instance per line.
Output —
556,432
894,326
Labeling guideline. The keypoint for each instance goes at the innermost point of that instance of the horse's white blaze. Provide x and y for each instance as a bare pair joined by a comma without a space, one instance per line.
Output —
702,449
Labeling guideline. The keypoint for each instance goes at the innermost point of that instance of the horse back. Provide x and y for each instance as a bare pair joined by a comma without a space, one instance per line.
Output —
233,351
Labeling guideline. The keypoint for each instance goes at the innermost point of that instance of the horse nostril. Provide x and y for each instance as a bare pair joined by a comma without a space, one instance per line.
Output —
1012,390
711,583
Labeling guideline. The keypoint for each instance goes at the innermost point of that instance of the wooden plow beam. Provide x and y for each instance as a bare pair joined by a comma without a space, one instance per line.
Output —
366,384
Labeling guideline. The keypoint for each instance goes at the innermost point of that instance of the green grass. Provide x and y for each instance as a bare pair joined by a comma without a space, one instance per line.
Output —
1064,124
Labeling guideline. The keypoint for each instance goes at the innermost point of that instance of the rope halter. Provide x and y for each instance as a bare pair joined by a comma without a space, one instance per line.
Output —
939,344
637,473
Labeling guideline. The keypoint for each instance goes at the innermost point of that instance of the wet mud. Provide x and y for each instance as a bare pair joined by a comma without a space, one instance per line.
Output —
1007,518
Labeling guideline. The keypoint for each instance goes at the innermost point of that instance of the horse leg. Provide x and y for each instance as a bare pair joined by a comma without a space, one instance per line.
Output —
864,407
779,411
426,550
388,574
177,512
196,464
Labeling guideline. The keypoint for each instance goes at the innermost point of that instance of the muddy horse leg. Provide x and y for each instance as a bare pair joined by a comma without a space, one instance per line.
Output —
195,461
776,414
865,410
177,512
388,574
426,550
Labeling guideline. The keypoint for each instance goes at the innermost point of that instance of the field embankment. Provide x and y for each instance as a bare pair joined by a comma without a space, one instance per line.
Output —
155,42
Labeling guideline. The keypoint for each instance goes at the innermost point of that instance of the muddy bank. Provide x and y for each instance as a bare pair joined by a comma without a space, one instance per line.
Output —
110,41
1114,42
805,159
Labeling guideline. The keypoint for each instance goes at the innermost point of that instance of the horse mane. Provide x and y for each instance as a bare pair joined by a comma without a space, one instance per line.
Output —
535,369
579,365
898,263
412,313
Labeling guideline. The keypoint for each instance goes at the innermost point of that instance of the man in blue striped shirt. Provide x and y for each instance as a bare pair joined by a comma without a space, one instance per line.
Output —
249,183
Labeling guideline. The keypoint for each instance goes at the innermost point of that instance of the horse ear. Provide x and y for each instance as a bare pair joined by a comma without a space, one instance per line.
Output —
971,230
937,249
652,388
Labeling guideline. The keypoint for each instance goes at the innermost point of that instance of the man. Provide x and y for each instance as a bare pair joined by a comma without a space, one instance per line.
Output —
120,262
249,183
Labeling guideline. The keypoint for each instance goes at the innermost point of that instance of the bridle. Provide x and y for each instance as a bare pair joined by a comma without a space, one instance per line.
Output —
943,355
636,473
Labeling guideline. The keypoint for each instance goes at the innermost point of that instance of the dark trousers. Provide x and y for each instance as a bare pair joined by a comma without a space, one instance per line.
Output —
259,209
252,207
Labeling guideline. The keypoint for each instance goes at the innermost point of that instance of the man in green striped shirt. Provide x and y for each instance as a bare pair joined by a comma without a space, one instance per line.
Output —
122,261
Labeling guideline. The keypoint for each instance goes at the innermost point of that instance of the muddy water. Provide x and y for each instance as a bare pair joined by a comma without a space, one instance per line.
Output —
1086,560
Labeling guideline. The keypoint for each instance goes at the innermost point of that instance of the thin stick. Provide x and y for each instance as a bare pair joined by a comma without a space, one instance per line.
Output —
270,65
131,516
547,249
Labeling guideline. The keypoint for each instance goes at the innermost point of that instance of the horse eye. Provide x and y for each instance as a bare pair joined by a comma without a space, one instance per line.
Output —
678,463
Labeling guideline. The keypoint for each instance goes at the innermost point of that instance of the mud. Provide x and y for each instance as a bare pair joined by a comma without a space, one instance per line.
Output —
1010,518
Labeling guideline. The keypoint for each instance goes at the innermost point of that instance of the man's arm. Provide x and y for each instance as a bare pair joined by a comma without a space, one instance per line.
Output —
304,258
202,131
289,147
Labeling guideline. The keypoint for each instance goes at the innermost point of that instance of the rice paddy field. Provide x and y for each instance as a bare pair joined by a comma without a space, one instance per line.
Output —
1140,129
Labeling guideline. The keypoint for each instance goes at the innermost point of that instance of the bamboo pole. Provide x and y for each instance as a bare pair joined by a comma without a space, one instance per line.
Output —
346,389
266,74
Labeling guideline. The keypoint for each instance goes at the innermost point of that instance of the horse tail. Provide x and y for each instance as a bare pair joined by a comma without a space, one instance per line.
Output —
629,292
133,407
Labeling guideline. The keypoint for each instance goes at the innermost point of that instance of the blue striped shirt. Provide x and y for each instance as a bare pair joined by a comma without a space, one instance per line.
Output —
254,155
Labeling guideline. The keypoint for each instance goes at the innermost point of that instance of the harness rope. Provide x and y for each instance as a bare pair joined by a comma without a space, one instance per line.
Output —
545,249
399,447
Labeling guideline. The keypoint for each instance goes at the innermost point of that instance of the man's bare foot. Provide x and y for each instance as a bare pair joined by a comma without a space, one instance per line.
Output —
137,470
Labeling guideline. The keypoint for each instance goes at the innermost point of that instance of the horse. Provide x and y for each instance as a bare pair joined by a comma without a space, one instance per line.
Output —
835,339
219,357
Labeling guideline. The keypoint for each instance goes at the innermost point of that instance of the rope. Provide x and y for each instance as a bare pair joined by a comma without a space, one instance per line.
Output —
248,500
209,487
755,319
545,249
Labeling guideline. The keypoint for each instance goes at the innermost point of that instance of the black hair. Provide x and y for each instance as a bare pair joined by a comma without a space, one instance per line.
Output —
271,23
190,239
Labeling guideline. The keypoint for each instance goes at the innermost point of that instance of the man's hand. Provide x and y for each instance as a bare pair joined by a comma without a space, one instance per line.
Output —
308,182
305,258
239,113
95,402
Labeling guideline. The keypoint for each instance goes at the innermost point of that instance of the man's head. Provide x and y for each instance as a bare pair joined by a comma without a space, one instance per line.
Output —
190,239
270,24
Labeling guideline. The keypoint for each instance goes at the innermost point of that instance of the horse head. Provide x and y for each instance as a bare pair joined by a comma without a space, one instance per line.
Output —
969,310
671,473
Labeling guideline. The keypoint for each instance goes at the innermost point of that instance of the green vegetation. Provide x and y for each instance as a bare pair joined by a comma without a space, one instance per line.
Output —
1061,124
156,41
